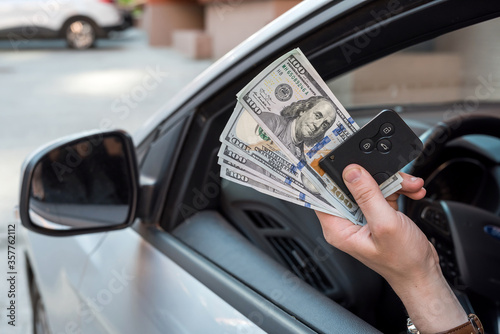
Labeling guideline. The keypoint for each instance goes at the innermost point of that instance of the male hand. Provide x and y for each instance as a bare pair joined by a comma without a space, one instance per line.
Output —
392,245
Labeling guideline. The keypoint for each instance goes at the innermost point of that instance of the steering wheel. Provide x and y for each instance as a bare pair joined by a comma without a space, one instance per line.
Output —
466,238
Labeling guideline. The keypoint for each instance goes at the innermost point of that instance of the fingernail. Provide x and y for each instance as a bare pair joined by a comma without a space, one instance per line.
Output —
352,175
413,179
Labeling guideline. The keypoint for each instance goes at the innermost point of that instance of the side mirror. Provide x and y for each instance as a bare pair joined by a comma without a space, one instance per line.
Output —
80,185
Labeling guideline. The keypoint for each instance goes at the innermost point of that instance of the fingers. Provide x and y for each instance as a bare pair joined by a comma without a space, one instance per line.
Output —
337,230
367,194
393,201
415,196
379,211
412,187
411,183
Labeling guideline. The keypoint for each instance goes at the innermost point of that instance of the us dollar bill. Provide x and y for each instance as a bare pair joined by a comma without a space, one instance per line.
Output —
262,178
242,177
244,136
296,109
228,156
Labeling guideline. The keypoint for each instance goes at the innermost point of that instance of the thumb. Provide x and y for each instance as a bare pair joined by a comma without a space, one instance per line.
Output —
367,194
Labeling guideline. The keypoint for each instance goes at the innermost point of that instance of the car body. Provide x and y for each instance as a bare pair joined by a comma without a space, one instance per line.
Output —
205,255
32,19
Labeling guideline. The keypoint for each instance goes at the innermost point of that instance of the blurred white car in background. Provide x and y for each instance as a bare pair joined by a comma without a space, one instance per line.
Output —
80,22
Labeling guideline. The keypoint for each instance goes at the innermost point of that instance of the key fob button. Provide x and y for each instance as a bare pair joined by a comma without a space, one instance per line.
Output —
366,145
387,129
384,145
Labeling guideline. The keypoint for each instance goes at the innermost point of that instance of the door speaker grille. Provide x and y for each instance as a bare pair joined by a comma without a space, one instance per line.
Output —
301,263
262,220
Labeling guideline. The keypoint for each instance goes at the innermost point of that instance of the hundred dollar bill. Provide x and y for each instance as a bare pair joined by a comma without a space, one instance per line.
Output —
296,109
242,177
238,161
245,136
261,179
228,157
261,176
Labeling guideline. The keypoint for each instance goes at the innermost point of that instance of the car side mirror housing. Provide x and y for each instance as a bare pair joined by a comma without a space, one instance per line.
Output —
81,185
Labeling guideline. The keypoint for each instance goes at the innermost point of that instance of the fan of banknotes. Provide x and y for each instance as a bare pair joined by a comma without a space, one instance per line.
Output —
287,119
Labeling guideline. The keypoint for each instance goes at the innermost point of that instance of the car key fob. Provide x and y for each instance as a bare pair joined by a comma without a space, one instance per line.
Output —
383,146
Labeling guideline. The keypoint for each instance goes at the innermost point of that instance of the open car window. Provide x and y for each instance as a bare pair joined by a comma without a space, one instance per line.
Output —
462,65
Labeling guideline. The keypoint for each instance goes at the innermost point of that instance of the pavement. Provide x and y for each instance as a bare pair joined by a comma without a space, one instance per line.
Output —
48,91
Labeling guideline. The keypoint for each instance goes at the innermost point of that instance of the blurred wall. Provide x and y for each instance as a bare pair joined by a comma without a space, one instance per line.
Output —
163,17
462,65
208,28
230,22
478,49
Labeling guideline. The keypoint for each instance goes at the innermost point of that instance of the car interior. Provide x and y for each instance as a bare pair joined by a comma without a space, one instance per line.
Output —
429,73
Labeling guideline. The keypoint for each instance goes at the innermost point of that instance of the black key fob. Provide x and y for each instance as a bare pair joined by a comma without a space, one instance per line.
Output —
383,146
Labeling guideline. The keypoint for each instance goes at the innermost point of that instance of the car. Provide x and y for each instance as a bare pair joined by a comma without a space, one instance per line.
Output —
80,22
140,234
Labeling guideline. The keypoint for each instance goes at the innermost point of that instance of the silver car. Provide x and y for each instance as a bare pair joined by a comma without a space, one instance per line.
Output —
140,234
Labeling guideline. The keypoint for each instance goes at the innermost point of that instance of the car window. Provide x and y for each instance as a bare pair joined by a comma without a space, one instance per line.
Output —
463,65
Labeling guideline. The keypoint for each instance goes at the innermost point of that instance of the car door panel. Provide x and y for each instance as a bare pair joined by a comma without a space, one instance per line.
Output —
58,264
211,235
131,287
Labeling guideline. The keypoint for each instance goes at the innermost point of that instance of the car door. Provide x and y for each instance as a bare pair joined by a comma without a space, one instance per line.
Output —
59,264
136,279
